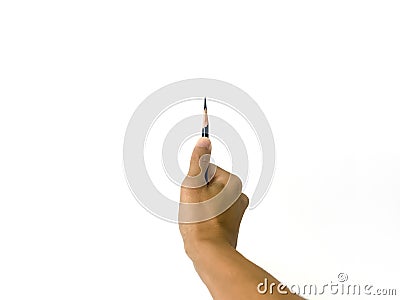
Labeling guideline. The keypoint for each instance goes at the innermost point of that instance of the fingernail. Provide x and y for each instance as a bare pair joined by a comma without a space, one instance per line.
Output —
204,143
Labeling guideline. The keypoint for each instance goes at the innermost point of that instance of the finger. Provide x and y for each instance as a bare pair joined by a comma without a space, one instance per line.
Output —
244,201
220,175
200,156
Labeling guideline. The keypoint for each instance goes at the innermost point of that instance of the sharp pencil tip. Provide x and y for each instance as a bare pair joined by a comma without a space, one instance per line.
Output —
204,131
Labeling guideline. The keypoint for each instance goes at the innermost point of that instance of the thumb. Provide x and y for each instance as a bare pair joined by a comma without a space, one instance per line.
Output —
200,156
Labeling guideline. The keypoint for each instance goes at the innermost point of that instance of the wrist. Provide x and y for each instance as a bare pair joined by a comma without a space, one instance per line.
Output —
205,248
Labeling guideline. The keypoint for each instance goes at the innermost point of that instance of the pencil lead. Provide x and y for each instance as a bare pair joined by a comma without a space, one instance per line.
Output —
205,103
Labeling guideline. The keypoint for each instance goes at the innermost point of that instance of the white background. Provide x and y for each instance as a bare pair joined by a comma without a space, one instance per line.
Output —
326,74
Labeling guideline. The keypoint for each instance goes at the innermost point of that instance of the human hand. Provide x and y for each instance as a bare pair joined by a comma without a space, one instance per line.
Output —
227,210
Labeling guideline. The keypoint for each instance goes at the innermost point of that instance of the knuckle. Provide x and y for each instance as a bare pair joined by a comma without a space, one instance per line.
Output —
245,200
236,180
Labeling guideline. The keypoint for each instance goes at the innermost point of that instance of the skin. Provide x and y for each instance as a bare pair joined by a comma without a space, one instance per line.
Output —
211,244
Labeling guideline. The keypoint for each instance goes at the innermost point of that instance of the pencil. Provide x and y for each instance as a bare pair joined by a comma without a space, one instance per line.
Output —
204,132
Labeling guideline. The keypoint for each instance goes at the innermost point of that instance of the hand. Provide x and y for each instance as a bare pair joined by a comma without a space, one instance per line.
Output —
223,228
211,244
